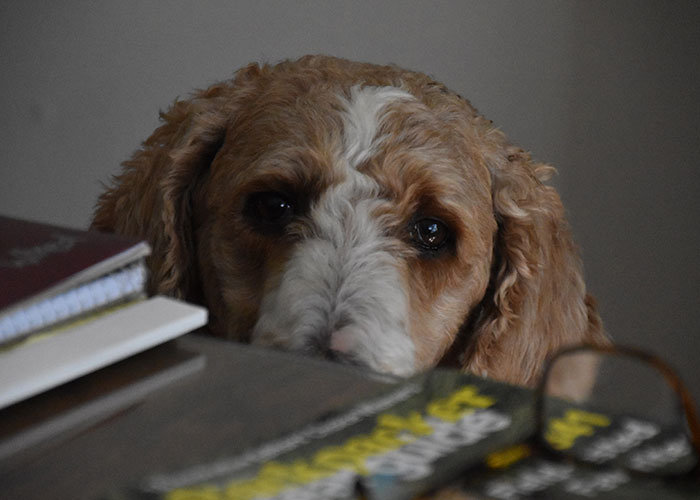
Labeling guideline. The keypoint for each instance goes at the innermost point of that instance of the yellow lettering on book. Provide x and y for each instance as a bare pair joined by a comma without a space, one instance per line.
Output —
413,423
459,404
245,490
340,457
391,432
562,432
272,478
365,446
197,493
303,472
505,458
277,475
386,439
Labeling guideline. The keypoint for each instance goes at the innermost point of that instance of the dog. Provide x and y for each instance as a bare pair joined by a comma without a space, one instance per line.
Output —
357,212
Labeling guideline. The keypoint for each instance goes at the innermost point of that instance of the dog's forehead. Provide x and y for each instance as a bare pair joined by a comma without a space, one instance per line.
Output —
409,148
318,136
363,113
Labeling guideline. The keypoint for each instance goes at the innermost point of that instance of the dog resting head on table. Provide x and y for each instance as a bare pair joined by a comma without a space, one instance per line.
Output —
358,212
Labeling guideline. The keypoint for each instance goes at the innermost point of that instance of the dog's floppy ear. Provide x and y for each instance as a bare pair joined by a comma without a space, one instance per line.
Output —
537,300
152,197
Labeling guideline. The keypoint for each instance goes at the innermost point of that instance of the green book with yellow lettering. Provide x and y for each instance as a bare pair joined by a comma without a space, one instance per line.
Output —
442,435
421,433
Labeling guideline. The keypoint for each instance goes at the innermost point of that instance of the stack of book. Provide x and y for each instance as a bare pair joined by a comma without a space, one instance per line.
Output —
74,301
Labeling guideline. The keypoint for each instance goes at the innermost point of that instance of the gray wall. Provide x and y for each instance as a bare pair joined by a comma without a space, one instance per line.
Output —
606,91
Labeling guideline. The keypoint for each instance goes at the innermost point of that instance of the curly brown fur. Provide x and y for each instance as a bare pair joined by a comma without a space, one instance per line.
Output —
364,152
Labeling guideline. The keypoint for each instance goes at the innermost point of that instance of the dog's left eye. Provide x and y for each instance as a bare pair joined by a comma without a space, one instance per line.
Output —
430,234
272,210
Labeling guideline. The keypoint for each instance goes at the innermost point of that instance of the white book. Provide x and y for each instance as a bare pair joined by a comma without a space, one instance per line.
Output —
45,362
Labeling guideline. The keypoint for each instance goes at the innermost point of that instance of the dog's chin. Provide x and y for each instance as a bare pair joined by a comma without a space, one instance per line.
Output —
351,358
321,347
345,346
316,347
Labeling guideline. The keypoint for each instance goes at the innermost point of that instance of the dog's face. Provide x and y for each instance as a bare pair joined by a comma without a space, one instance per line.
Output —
352,223
361,213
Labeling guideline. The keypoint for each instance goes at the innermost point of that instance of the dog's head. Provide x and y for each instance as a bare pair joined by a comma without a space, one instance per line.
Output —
359,212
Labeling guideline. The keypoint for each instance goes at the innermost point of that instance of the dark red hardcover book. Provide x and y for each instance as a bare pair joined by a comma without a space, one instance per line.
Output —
49,273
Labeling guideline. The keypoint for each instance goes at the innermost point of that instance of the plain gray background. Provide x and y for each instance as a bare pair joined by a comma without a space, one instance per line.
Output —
607,91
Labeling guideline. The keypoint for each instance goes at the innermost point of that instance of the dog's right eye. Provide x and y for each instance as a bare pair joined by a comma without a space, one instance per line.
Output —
430,234
270,211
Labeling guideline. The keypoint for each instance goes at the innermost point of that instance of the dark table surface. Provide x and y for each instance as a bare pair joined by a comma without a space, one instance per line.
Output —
191,401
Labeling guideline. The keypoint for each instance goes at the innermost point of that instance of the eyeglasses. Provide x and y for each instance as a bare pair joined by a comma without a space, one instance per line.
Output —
603,414
618,406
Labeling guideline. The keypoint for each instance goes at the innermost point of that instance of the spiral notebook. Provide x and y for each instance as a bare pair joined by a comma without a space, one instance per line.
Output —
51,274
